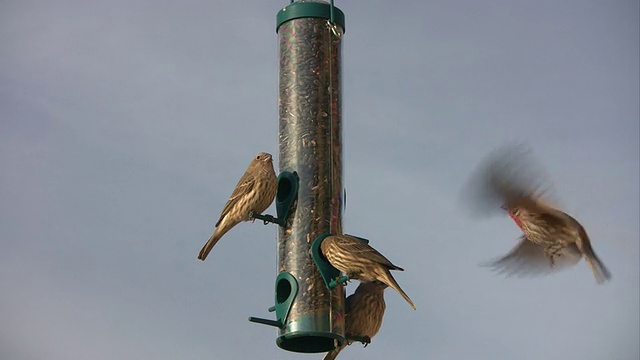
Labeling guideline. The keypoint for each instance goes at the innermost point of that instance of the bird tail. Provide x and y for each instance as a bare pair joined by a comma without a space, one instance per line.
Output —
206,249
388,279
331,355
600,271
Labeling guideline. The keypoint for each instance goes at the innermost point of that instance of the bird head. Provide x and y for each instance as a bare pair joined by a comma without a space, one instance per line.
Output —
263,157
515,214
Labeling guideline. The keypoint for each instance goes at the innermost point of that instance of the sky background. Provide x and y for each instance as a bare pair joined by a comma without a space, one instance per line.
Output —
124,126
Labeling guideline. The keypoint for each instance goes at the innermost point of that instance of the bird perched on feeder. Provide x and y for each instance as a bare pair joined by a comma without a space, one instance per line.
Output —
358,260
364,310
552,239
254,193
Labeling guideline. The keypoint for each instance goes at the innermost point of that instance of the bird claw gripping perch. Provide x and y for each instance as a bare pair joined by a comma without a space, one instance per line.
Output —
330,275
286,195
362,339
339,281
265,218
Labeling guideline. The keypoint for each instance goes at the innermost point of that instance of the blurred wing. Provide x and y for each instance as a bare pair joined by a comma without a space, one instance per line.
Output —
478,199
508,175
514,174
555,219
244,186
361,249
570,221
529,259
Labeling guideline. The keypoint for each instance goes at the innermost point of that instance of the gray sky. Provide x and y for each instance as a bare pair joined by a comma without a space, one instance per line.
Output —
124,127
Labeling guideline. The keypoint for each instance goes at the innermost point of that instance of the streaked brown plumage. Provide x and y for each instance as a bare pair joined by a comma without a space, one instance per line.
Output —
552,239
358,260
364,310
562,238
254,192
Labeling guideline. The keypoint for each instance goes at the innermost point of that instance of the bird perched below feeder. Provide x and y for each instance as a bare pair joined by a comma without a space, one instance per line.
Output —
552,239
253,194
364,310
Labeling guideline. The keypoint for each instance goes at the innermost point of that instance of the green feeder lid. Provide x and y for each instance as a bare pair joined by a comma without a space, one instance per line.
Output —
304,9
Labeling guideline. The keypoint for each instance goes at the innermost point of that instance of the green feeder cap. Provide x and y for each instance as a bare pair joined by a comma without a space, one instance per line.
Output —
305,9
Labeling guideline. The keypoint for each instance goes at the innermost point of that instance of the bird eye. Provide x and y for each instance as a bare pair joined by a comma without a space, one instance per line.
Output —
258,157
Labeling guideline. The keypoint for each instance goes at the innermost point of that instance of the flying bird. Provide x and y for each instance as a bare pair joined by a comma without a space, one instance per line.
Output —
358,260
364,310
254,193
552,240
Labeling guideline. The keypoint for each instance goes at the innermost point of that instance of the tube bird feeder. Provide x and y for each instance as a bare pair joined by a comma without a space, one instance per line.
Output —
310,316
311,145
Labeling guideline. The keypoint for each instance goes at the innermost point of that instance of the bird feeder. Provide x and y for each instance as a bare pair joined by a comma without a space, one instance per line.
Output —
310,316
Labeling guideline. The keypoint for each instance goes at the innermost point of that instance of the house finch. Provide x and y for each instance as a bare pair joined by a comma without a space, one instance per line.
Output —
358,260
552,239
364,310
254,193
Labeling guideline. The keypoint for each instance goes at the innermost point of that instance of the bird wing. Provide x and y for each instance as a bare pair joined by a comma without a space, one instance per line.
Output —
244,186
570,221
554,219
360,248
507,176
529,259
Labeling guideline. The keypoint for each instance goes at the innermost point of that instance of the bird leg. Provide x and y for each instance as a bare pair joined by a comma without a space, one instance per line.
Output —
363,339
552,251
265,218
341,280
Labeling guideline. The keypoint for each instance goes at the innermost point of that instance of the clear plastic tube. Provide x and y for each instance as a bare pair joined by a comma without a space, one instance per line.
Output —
311,145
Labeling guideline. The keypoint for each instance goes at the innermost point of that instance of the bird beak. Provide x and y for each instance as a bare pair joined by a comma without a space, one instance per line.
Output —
504,207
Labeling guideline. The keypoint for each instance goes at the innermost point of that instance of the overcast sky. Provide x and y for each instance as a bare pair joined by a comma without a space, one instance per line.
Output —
124,126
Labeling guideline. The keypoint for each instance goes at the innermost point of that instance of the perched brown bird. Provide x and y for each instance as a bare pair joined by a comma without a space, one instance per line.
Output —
254,193
364,310
552,239
358,260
